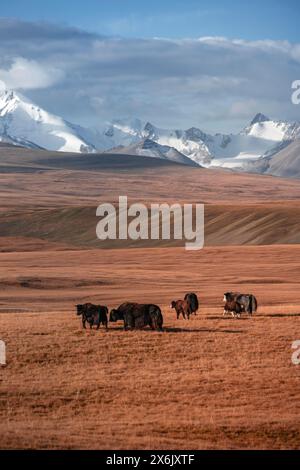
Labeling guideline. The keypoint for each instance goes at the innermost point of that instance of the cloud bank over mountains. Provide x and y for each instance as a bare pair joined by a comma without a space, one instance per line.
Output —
215,82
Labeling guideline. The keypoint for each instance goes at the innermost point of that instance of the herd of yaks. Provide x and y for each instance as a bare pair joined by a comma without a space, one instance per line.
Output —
137,316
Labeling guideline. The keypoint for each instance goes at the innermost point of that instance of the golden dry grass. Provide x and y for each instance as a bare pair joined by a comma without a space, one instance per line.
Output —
207,383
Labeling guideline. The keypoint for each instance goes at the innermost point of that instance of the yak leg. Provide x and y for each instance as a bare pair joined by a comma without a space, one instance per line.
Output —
83,323
129,323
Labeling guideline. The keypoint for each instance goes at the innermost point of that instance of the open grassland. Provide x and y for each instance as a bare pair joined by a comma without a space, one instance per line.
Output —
210,382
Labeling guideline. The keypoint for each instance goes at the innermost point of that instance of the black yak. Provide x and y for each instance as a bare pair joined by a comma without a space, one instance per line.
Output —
93,314
193,302
138,316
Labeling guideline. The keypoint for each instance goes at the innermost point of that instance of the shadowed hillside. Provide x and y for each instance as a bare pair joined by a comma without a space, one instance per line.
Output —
52,198
75,227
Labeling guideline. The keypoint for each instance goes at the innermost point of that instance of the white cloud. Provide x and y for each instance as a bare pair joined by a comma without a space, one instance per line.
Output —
29,74
212,82
241,109
2,85
295,52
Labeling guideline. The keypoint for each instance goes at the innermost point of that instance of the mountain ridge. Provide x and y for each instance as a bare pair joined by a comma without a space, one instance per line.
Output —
26,124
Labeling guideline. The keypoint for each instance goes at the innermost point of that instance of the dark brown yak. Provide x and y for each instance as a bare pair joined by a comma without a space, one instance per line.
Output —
181,307
93,314
247,302
233,307
138,316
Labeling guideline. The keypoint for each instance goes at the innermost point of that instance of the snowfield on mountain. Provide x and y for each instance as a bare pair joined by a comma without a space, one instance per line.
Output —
26,124
261,137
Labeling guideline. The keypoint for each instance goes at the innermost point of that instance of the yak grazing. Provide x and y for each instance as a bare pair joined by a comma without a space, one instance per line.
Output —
138,316
186,307
93,314
181,307
236,303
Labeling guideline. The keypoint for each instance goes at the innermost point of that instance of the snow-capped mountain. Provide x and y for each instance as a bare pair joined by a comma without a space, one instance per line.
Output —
190,143
148,148
24,123
261,137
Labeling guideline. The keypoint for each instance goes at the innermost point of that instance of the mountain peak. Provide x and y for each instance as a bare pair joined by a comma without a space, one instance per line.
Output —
24,123
8,101
148,125
7,93
195,134
259,118
149,131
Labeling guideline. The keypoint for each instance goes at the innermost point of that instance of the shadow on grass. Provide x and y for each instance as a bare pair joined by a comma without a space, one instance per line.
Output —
178,330
280,315
229,317
200,330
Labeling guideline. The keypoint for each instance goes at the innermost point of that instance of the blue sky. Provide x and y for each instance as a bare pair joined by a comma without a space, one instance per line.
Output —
256,19
178,64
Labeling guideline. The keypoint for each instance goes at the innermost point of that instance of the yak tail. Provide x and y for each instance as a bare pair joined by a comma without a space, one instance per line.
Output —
253,304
